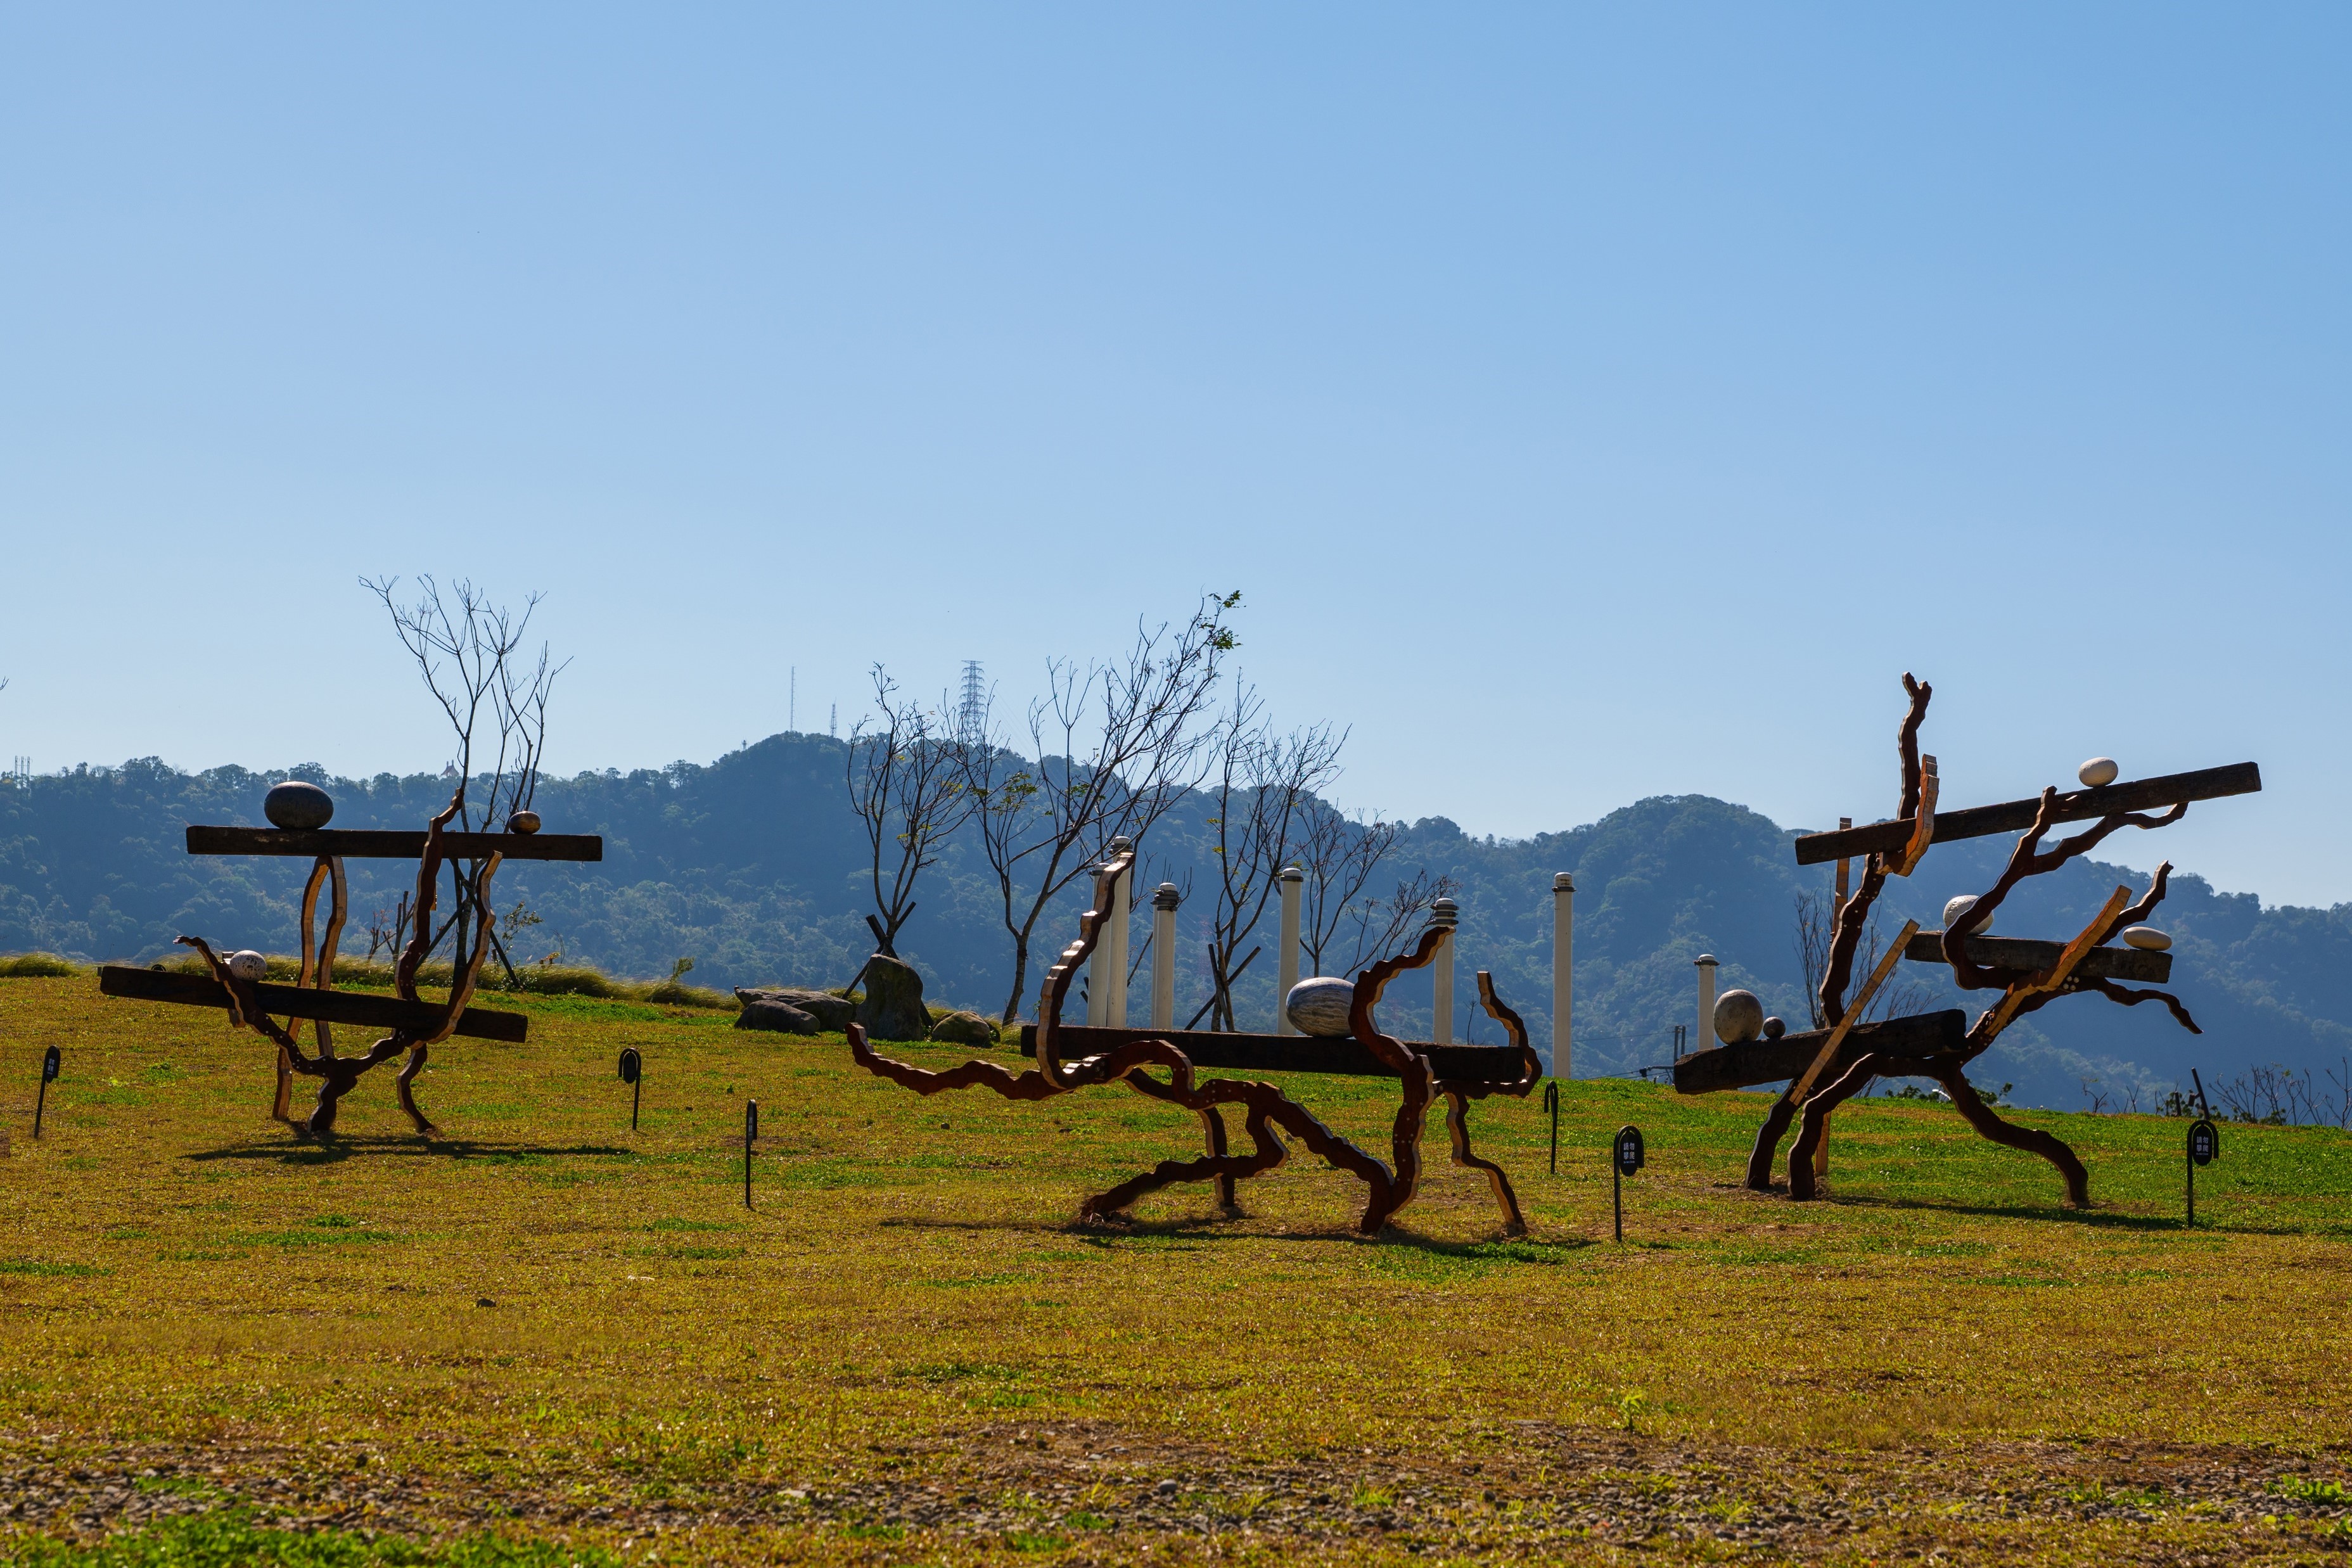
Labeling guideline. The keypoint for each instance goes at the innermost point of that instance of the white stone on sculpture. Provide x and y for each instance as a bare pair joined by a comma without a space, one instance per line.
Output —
2098,772
1738,1016
2146,938
1956,907
296,806
1318,1006
247,965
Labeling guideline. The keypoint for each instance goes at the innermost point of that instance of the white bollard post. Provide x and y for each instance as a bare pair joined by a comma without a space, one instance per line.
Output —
1703,1037
1164,956
1446,913
1292,882
1563,923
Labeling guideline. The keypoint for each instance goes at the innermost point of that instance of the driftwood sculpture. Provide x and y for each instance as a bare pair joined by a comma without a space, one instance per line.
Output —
1267,1113
415,1025
1844,1058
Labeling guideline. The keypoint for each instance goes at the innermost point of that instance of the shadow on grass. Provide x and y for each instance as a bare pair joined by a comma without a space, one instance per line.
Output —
1206,1228
334,1151
2094,1218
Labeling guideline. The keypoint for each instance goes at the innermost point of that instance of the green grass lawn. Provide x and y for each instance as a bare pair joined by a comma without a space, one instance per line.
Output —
543,1338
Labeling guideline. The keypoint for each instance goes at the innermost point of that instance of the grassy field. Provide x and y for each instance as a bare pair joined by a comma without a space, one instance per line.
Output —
541,1338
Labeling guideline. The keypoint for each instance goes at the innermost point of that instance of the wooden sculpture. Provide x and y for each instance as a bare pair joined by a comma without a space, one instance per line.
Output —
1829,1066
1267,1113
415,1025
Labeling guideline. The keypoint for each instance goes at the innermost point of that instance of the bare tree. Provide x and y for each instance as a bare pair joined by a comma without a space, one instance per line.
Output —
470,654
1379,926
908,784
1816,930
1260,783
1338,857
1048,815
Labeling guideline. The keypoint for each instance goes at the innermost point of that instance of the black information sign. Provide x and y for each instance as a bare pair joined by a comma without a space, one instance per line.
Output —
751,1131
1551,1103
1627,1157
633,1069
2204,1145
51,1063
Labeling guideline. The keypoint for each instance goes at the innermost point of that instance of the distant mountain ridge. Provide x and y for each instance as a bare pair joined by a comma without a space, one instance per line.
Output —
753,865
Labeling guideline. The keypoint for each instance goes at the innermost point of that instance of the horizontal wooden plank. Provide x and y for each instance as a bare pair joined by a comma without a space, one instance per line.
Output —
2028,956
361,1008
1773,1060
2016,816
1287,1052
390,844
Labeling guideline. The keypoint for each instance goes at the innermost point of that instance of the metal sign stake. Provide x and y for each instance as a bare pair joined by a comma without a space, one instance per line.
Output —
2204,1143
751,1131
633,1069
51,1063
1627,1156
1551,1103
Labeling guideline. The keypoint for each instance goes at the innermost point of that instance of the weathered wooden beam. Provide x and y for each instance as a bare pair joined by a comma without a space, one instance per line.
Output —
2016,816
395,844
1772,1061
2027,957
357,1008
1287,1052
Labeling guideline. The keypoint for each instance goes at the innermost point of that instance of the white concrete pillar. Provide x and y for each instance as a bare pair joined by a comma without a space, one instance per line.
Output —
1563,925
1120,910
1703,1038
1164,899
1446,913
1292,882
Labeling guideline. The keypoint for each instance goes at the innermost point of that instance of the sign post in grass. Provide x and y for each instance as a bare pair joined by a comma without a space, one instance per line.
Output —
751,1131
1551,1103
50,1061
2204,1143
633,1068
1627,1156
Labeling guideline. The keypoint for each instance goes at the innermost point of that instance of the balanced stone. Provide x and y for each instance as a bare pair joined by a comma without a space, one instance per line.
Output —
1738,1016
247,965
1956,907
2099,772
297,807
2146,938
1775,1028
893,1008
965,1029
1320,1006
523,822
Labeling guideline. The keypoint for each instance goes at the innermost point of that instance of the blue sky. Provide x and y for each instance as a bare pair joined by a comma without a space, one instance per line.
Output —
1591,403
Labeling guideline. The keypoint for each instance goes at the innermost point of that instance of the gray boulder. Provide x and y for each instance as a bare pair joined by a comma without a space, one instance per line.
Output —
893,1008
782,1016
832,1013
965,1029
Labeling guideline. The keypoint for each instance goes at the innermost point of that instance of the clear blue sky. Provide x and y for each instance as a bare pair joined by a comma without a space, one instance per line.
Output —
1591,403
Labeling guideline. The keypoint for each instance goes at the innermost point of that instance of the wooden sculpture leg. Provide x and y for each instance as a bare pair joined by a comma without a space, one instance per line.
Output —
1980,1116
415,1065
1212,1124
282,1109
1457,1123
1767,1143
1805,1165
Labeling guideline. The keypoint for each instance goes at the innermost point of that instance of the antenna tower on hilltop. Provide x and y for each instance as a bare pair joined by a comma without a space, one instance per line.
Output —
972,718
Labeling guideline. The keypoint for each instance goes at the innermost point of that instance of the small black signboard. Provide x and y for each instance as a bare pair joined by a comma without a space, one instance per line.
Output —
51,1063
1627,1156
1551,1103
2204,1145
751,1131
633,1068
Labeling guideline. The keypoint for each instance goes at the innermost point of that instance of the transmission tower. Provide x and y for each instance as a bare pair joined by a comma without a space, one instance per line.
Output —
971,718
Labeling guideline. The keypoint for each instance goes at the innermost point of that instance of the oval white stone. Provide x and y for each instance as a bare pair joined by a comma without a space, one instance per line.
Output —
1956,907
2098,772
247,965
2146,938
1318,1006
1738,1016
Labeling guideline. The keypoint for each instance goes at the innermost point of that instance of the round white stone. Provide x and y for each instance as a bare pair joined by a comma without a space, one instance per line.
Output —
1320,1006
247,965
2146,938
1956,907
2098,772
1738,1016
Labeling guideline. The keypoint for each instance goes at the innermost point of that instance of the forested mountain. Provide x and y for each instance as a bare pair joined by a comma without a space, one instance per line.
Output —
755,868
